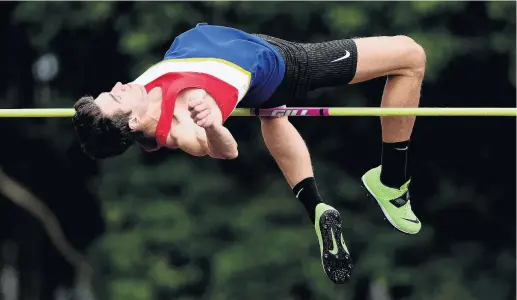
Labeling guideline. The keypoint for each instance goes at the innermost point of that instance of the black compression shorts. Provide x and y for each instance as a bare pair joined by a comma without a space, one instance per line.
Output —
310,66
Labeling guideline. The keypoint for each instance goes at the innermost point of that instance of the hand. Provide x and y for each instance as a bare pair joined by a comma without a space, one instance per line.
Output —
200,113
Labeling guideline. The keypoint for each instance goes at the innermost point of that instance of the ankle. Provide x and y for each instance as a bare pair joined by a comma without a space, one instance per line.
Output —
394,164
307,192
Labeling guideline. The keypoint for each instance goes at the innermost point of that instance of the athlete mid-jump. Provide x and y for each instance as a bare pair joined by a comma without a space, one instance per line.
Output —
183,102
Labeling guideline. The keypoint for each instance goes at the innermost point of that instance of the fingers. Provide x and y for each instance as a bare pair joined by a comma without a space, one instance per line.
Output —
206,122
203,119
196,109
193,102
202,115
200,109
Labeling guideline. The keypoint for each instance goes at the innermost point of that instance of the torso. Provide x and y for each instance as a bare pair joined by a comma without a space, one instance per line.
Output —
182,123
225,62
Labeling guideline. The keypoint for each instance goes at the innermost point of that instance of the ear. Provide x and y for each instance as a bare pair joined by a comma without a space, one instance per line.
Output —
134,122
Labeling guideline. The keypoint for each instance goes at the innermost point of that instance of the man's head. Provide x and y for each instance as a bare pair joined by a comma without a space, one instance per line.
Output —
109,125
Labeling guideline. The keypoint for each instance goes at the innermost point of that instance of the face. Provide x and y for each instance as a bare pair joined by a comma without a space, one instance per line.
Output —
127,98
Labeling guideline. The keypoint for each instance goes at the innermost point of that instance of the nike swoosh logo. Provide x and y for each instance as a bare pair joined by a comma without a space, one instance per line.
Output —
298,194
334,249
401,148
347,55
343,244
412,221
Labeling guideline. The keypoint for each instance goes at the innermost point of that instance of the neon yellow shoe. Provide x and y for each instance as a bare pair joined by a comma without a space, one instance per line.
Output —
335,258
395,203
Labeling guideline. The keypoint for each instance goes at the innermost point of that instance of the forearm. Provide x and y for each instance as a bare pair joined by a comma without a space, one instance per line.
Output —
221,142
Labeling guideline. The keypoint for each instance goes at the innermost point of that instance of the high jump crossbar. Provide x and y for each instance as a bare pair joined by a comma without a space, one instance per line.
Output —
305,112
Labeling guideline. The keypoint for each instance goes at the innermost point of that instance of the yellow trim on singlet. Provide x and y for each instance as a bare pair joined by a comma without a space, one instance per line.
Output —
228,63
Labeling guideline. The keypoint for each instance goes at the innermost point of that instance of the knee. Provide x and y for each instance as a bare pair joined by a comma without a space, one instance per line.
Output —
414,55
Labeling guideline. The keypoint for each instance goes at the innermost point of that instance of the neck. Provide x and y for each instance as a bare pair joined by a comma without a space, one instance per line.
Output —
154,110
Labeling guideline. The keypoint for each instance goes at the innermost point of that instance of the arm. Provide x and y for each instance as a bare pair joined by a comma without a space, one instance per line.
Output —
216,141
206,114
220,142
203,133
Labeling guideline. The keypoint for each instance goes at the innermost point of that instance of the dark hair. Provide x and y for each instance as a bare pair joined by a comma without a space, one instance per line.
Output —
101,136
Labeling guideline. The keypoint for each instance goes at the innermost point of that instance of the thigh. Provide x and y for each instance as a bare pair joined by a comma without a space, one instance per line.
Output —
331,63
309,66
386,55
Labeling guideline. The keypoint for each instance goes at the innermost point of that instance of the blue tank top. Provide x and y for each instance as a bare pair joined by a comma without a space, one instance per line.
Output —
261,59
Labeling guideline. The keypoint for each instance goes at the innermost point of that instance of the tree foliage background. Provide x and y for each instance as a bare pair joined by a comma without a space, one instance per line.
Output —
170,226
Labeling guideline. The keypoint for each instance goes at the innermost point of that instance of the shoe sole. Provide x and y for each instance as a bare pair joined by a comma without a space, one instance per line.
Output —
338,267
386,215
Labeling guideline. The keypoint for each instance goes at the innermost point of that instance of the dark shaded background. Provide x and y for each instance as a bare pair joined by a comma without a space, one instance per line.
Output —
169,226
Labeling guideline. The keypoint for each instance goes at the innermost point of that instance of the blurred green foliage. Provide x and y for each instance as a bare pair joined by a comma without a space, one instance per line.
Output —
194,228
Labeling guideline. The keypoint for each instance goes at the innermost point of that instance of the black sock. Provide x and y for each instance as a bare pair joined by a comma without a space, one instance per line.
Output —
394,164
307,192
